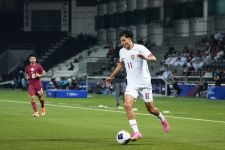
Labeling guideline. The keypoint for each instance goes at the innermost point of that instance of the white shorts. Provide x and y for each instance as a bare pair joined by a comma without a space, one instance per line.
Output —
144,93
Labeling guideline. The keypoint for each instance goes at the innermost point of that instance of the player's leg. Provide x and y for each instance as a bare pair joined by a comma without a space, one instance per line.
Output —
146,95
130,96
31,91
128,106
155,111
40,94
34,106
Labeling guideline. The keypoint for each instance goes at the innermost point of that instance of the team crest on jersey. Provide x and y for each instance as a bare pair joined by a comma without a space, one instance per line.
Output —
132,57
32,69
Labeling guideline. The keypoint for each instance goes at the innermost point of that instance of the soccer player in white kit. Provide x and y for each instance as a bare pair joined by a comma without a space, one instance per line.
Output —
135,57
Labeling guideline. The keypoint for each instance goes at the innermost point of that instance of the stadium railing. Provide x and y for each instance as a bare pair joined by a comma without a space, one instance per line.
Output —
159,86
193,79
2,84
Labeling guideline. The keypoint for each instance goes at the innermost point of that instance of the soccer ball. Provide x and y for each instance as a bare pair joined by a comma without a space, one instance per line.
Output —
123,137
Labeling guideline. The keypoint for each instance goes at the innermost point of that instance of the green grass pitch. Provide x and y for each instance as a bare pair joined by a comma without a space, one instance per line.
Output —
79,124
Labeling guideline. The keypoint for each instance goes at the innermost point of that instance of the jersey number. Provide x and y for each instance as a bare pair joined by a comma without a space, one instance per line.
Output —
130,65
32,75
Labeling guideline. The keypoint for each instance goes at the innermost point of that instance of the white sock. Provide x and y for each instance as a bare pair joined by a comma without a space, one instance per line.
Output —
133,124
161,117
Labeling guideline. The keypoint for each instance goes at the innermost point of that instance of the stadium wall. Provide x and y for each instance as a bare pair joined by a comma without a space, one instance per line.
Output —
82,19
42,7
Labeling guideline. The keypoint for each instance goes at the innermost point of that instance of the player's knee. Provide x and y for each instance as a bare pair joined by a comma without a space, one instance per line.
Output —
32,98
154,111
41,98
127,105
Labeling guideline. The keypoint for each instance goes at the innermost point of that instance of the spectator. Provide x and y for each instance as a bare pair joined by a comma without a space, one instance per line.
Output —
120,86
24,83
167,74
176,87
74,85
208,72
190,68
101,88
218,36
76,60
64,83
89,52
14,83
219,55
54,83
202,85
220,77
71,66
161,70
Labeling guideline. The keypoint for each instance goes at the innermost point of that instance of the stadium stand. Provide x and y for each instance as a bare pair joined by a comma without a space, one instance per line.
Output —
70,47
86,62
39,42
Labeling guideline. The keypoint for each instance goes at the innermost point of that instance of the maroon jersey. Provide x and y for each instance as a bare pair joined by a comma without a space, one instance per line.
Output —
31,71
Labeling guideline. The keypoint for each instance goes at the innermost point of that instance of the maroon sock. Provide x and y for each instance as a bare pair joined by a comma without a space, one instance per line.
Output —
34,106
42,102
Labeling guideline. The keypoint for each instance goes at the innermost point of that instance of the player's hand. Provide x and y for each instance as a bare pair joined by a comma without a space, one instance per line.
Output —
27,77
37,75
108,81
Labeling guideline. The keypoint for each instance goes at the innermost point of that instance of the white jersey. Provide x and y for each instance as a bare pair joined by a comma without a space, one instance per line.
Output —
138,75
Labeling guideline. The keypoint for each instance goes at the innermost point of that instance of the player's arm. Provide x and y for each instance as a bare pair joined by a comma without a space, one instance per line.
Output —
119,66
26,74
147,55
151,58
41,74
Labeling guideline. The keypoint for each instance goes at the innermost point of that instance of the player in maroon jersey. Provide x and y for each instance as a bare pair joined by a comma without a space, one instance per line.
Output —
33,73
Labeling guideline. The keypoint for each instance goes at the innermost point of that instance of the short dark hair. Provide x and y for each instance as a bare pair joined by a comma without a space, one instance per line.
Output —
32,55
127,34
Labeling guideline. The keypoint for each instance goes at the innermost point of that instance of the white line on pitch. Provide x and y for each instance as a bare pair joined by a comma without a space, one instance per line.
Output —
78,107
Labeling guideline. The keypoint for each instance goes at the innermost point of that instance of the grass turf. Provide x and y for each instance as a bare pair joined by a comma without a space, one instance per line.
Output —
197,124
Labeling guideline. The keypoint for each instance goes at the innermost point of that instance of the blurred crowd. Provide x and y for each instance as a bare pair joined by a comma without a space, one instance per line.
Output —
206,60
64,83
198,60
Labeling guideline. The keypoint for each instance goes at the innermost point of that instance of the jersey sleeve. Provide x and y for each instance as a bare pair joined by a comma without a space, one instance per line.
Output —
40,69
120,60
144,51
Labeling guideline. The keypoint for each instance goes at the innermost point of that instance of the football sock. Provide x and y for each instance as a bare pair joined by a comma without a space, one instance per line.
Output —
161,117
42,102
133,124
34,106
